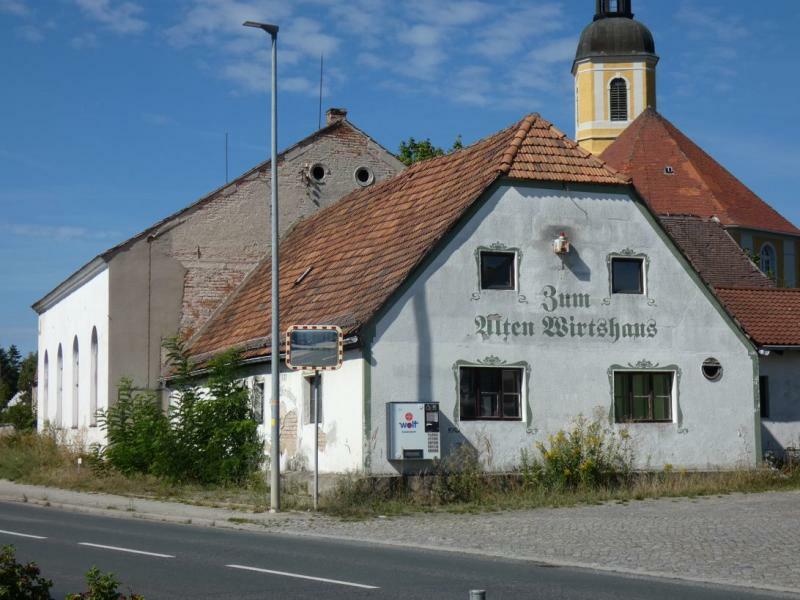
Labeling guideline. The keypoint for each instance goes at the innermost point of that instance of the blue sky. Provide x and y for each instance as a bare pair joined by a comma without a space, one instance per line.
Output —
114,112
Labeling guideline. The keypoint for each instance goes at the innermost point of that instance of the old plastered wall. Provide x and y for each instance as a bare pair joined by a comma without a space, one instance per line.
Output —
781,429
341,427
439,321
172,279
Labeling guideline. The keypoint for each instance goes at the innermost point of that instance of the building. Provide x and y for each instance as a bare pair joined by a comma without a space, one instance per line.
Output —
447,285
616,118
108,319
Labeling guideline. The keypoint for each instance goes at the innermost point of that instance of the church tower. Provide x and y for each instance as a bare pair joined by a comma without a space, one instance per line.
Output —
615,74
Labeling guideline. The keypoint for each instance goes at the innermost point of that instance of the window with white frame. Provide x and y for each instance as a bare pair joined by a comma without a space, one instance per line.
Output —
76,382
643,396
309,414
490,393
93,381
59,387
257,400
618,100
767,260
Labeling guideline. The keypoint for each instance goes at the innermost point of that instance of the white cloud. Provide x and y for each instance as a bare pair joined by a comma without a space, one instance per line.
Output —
556,51
14,7
29,33
55,232
509,34
84,40
120,17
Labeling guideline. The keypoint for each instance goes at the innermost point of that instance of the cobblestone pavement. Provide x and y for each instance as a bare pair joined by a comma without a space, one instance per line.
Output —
750,540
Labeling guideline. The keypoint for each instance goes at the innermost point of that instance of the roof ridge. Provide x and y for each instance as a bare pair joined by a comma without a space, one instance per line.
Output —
524,128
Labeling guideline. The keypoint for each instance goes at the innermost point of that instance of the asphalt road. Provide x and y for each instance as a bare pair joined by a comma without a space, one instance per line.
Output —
162,560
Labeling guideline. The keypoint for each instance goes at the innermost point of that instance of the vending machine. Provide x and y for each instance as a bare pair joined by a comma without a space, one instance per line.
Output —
413,430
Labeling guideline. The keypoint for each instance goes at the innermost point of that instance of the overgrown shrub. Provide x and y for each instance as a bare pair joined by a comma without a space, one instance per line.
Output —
21,581
209,435
588,455
20,416
102,587
136,428
458,477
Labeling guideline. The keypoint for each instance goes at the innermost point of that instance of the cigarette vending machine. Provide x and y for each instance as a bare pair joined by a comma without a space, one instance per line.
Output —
413,430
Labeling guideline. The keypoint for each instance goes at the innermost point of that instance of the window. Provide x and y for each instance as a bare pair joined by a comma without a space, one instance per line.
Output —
45,387
308,401
668,170
317,172
93,382
59,386
642,396
618,100
627,276
76,383
768,262
257,401
364,176
490,393
498,271
712,370
763,391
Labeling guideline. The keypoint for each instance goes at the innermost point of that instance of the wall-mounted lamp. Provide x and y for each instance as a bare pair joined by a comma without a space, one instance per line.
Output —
561,244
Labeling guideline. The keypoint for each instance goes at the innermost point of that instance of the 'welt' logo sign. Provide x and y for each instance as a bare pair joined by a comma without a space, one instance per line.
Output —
410,424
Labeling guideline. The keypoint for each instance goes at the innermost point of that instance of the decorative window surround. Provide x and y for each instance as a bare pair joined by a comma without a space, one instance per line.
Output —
495,361
646,365
498,247
628,253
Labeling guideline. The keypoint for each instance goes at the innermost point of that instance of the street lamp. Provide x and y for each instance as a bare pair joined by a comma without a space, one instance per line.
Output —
275,365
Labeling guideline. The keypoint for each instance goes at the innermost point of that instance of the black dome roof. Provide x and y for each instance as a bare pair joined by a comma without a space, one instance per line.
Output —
615,36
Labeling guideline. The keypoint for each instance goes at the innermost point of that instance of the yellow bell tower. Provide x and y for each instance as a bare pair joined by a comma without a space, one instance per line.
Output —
615,75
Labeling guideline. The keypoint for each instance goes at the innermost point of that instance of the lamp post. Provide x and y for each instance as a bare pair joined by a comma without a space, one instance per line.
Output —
275,364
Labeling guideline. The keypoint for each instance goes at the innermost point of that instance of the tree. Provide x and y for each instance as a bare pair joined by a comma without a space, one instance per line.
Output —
414,151
27,376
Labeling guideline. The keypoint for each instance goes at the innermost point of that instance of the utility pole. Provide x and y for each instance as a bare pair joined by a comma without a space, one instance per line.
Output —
275,358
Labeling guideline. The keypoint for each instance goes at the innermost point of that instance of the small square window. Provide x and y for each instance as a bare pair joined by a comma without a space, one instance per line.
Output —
642,397
627,276
498,271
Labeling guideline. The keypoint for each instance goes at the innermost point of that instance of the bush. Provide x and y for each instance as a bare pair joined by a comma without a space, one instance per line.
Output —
21,582
209,435
27,452
458,478
20,416
136,427
102,587
589,455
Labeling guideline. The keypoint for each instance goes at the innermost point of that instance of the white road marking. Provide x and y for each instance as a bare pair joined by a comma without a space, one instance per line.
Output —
25,535
298,576
156,554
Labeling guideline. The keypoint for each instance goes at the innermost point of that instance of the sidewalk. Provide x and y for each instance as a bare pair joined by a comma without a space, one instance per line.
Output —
748,540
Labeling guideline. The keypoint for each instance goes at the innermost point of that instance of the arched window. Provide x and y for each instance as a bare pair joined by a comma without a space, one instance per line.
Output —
59,386
619,100
768,263
76,382
43,403
93,382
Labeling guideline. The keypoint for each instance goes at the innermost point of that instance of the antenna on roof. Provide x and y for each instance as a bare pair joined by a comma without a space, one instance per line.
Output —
226,157
319,114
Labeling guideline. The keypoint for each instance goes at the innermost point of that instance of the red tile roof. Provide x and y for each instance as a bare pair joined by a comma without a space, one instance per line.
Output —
700,186
361,249
770,317
713,253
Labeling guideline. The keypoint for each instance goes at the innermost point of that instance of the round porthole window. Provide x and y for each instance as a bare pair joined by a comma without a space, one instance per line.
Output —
712,370
364,176
317,172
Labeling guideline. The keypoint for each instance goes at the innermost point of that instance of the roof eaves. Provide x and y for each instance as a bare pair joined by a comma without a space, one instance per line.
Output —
70,284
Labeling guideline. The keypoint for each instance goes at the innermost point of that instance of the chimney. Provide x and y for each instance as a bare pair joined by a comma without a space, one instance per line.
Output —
334,115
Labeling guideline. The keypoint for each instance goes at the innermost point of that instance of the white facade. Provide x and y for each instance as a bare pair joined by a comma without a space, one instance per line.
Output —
780,423
74,326
342,416
443,320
